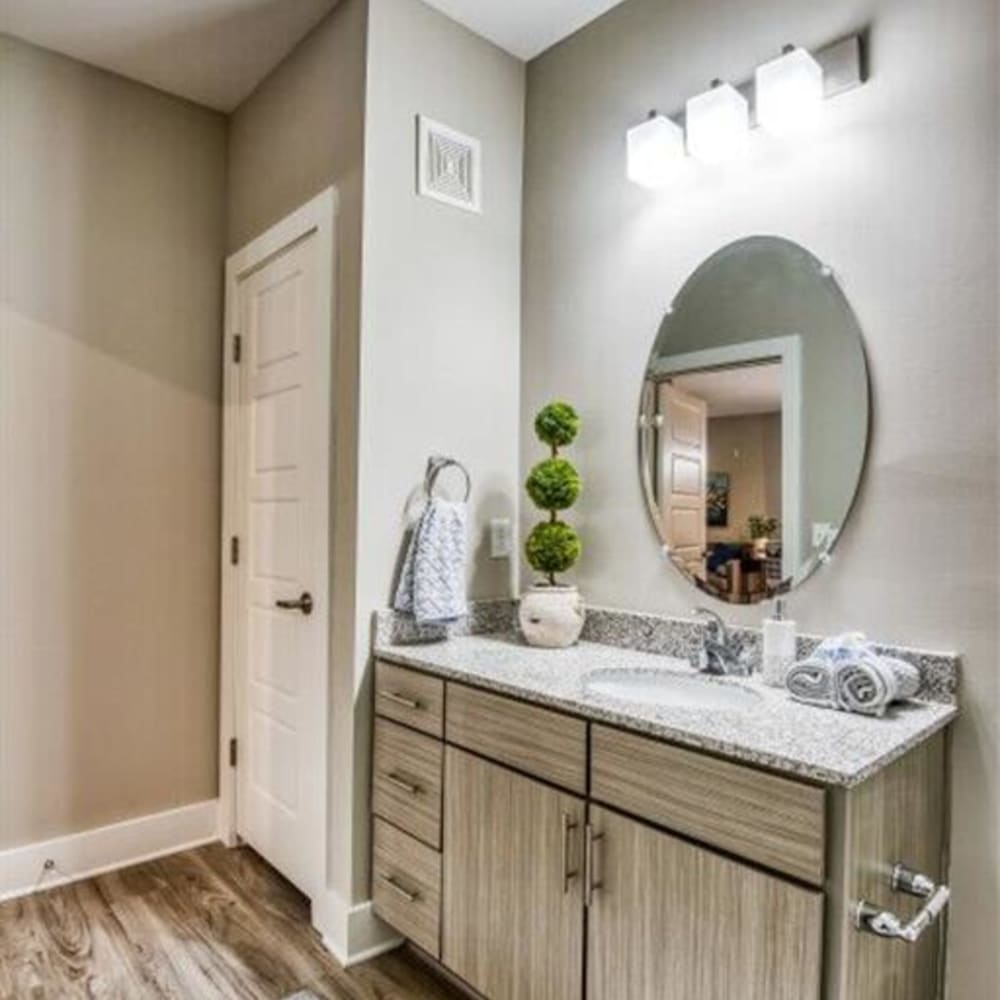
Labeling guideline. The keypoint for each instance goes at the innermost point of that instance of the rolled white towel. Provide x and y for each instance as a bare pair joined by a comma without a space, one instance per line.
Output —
871,684
811,681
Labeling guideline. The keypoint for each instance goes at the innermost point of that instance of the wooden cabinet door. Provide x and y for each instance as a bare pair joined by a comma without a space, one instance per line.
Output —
512,919
672,921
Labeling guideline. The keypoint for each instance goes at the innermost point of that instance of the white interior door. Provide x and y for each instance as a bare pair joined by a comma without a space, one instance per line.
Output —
280,660
683,460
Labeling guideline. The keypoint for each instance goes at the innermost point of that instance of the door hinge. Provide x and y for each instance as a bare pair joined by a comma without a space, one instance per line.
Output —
237,349
233,755
234,550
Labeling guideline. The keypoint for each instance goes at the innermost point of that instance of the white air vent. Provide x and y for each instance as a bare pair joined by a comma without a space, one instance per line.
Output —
448,165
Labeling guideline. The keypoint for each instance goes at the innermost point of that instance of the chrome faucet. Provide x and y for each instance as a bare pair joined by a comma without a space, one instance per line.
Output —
720,653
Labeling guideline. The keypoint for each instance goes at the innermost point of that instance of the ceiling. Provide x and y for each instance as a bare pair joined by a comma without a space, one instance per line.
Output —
210,51
215,52
732,392
524,27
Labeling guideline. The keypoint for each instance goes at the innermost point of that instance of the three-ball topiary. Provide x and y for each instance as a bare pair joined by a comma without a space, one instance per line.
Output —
554,485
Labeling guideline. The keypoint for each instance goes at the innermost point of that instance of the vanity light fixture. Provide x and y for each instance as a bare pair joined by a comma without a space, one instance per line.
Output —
718,123
789,91
784,95
653,148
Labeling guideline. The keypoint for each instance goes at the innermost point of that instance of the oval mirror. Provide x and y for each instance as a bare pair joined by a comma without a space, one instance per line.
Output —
753,420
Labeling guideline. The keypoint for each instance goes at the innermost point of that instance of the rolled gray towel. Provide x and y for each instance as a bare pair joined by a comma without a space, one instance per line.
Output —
811,681
872,683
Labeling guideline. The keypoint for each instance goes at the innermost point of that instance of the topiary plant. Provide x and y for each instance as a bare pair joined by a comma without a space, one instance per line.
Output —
554,485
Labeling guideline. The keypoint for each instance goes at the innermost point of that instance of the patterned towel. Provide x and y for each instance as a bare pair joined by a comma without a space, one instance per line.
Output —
432,583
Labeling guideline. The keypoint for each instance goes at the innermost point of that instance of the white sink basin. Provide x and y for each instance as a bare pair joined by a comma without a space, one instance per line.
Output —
652,687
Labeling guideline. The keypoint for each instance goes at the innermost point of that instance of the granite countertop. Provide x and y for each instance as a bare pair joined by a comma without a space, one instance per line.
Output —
834,748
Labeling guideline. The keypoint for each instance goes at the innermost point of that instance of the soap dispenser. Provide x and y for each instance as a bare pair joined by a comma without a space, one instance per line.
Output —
779,646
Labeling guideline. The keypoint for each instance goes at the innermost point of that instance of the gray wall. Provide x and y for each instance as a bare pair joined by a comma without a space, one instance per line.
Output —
899,193
112,201
440,327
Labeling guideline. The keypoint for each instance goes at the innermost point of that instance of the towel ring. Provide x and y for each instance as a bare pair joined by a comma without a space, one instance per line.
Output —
435,465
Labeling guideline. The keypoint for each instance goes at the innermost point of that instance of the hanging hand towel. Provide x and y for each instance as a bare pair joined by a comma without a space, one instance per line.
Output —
870,685
432,583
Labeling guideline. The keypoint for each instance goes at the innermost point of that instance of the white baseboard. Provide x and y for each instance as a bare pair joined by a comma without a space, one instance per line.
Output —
81,855
352,934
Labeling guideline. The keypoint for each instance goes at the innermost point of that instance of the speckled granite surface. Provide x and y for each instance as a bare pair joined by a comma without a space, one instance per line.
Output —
666,636
834,748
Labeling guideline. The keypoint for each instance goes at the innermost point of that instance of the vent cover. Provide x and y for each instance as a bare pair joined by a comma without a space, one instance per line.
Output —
448,165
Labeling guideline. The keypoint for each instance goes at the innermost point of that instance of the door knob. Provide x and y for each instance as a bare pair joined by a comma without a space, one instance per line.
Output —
303,604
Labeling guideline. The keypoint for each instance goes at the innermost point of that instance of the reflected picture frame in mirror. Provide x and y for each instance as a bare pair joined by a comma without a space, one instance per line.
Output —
757,379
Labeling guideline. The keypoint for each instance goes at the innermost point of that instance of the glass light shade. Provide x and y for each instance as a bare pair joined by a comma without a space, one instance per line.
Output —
789,92
718,123
653,147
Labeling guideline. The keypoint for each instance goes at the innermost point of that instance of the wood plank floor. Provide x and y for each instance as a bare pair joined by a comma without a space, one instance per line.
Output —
209,923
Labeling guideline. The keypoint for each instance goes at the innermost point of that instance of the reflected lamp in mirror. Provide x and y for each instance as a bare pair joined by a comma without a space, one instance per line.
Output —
653,148
753,420
718,124
789,92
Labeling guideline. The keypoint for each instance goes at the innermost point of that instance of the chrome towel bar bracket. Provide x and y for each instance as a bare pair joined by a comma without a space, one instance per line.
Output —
874,920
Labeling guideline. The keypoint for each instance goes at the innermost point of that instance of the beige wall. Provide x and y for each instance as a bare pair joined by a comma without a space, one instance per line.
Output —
441,321
111,241
749,449
899,193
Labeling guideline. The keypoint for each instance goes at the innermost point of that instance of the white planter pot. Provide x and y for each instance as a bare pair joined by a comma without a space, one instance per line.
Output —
551,616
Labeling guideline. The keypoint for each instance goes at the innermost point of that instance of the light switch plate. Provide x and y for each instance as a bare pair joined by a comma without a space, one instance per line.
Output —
501,538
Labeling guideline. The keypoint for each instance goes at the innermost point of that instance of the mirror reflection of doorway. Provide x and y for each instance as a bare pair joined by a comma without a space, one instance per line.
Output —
742,551
721,450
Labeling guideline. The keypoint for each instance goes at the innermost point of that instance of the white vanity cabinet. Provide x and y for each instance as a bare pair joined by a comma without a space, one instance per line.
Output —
538,855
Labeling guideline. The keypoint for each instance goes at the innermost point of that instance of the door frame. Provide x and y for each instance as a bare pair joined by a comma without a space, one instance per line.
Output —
788,350
317,216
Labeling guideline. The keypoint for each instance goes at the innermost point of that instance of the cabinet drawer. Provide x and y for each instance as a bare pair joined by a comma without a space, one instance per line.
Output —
406,786
777,822
406,889
536,740
409,697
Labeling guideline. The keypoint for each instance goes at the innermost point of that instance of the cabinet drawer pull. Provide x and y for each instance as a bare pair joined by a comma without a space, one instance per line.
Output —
568,826
591,885
390,881
402,699
409,787
885,923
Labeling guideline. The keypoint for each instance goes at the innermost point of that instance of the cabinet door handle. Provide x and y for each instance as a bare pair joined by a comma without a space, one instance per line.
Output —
591,885
401,783
885,923
568,826
390,881
401,699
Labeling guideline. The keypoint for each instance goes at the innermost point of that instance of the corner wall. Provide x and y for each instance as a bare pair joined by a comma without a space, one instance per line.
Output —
300,131
440,332
899,194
